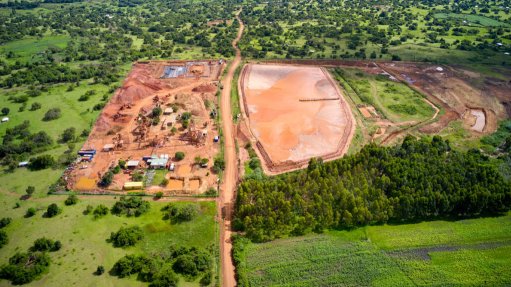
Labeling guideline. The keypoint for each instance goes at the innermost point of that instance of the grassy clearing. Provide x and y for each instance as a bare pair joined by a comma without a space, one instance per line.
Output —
84,238
235,97
395,101
472,19
471,252
26,50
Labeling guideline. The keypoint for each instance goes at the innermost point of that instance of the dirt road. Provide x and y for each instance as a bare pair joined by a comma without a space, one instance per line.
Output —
226,198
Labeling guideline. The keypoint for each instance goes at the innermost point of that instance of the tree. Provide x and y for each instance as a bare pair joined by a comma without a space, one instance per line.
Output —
128,236
179,155
100,270
44,244
41,162
166,278
35,106
5,111
107,179
185,265
68,135
52,114
5,221
100,211
156,112
89,209
30,212
25,267
71,200
52,210
3,238
130,206
30,190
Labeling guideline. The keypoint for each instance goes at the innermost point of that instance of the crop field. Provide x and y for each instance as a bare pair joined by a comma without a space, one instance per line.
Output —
84,245
471,252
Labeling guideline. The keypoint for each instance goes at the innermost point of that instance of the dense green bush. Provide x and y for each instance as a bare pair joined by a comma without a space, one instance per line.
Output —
45,244
4,239
5,221
128,236
179,155
25,267
181,213
100,211
52,210
52,114
41,162
130,206
71,200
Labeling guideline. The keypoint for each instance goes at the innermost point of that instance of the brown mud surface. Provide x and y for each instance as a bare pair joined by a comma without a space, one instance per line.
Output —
295,113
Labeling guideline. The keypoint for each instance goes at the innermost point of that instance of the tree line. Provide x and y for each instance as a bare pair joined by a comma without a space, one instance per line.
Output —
420,179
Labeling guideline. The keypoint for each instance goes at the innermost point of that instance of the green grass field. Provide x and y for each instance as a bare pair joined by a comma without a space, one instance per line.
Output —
395,101
473,252
84,238
472,20
26,50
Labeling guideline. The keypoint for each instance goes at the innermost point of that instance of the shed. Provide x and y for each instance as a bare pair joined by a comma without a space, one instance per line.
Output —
131,185
108,147
168,111
132,163
23,164
5,119
159,162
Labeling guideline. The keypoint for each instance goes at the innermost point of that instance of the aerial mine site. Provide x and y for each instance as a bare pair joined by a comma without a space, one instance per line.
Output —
162,108
255,143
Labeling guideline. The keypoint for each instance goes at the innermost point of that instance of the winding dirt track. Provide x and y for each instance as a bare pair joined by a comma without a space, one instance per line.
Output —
226,198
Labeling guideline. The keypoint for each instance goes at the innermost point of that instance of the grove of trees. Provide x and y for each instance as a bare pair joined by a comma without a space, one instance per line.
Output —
420,179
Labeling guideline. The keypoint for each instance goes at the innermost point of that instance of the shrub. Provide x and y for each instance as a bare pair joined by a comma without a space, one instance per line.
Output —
52,210
30,212
156,112
5,111
71,200
100,270
158,195
44,244
3,238
52,114
137,176
88,210
5,221
130,264
179,155
100,211
69,134
206,279
218,165
164,182
131,206
166,278
25,267
35,106
107,178
183,213
128,236
185,265
30,190
41,162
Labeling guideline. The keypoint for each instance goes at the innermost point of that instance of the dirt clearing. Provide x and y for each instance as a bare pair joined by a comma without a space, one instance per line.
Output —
159,110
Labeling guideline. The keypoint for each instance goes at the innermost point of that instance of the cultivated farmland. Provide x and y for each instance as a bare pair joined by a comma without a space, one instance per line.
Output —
472,252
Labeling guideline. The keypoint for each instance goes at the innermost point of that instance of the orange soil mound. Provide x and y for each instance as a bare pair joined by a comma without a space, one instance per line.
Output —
205,88
288,129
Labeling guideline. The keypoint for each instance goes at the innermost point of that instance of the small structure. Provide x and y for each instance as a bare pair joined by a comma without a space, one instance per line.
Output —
216,139
108,147
23,164
132,164
172,167
5,119
168,111
132,185
159,162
